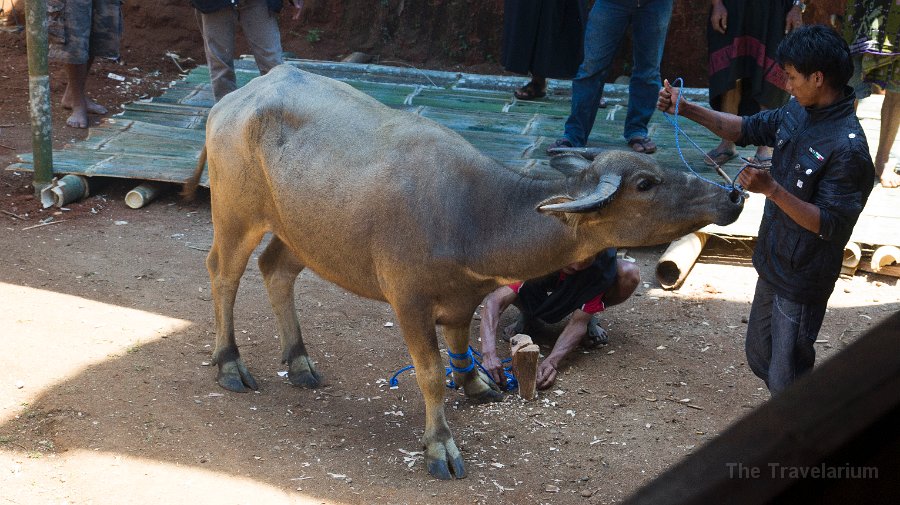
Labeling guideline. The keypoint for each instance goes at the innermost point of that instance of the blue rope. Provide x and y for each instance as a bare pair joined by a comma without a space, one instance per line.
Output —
511,383
673,120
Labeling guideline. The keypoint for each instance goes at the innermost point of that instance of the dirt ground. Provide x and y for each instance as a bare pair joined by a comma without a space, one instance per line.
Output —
106,394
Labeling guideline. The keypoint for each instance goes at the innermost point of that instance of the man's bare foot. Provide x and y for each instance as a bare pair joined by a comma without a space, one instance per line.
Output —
78,119
92,106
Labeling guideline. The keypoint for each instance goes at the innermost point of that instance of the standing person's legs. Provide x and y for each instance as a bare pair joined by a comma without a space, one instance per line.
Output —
650,26
605,28
758,345
70,34
218,42
890,123
260,26
74,97
725,151
103,41
794,330
780,337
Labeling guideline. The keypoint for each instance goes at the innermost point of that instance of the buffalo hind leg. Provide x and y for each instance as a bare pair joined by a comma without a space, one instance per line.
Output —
280,269
441,454
226,265
477,385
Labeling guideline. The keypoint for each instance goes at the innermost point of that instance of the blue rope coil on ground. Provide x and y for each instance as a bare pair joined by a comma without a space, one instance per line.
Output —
511,383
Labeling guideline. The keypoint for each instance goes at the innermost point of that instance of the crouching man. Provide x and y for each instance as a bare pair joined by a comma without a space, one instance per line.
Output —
581,289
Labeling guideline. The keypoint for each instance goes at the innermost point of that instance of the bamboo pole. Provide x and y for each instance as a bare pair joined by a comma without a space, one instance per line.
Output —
885,256
39,93
674,265
852,255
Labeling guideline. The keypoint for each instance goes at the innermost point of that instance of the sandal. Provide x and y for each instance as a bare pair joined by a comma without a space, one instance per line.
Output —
521,324
715,157
530,91
763,161
642,145
563,142
596,335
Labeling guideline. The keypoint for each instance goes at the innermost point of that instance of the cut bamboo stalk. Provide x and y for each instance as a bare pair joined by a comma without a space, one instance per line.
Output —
524,364
884,256
675,264
852,255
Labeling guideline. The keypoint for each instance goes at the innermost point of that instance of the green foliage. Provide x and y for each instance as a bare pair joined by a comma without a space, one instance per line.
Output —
313,35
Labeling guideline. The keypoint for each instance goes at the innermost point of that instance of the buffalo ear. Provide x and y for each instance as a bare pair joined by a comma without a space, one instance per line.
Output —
599,198
569,164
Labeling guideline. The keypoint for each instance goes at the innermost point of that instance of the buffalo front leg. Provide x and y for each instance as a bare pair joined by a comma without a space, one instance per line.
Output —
477,385
280,269
226,262
441,454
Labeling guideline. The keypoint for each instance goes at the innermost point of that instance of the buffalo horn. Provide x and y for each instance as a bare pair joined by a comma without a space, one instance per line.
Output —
606,188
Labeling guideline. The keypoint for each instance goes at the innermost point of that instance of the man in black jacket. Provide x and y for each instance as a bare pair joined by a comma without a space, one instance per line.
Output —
259,21
820,179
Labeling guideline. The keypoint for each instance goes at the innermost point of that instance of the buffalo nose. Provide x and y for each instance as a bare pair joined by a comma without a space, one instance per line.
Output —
736,196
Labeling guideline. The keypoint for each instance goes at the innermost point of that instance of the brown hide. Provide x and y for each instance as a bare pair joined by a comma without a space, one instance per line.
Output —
395,207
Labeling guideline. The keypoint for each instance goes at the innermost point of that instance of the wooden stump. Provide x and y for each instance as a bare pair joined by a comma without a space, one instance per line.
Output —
524,364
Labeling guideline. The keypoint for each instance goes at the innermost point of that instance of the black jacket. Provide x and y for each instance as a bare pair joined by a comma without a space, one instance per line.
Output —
821,156
207,6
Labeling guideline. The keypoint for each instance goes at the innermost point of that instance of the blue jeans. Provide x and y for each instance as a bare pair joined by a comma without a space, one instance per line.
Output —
606,26
780,337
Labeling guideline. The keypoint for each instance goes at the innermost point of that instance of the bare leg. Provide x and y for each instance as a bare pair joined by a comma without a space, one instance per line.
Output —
280,269
77,75
69,97
890,123
730,102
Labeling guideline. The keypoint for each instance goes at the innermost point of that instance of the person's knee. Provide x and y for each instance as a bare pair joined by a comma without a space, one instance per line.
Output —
757,361
628,278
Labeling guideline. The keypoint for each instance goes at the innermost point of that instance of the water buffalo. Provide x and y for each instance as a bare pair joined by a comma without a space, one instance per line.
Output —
394,207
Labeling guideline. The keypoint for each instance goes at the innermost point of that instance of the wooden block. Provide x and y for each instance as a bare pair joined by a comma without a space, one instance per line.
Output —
524,365
518,341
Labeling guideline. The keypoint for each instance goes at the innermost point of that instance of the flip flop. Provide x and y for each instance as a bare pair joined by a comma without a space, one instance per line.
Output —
642,145
596,335
563,142
530,92
715,157
760,160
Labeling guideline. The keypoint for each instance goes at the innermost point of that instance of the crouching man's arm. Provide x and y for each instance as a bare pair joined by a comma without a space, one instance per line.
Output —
494,305
568,340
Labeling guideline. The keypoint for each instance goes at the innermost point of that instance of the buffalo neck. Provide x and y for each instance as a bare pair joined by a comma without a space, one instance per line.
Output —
510,239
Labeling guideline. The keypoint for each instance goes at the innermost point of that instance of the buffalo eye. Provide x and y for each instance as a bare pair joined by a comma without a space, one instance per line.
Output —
645,184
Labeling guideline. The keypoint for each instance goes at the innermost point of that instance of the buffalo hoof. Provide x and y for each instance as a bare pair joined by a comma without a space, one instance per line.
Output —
234,376
487,396
302,373
481,389
444,461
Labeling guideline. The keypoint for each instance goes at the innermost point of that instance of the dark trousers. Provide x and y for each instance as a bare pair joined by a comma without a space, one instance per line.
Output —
780,337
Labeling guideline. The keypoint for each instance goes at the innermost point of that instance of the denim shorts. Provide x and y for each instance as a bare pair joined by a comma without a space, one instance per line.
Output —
82,29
